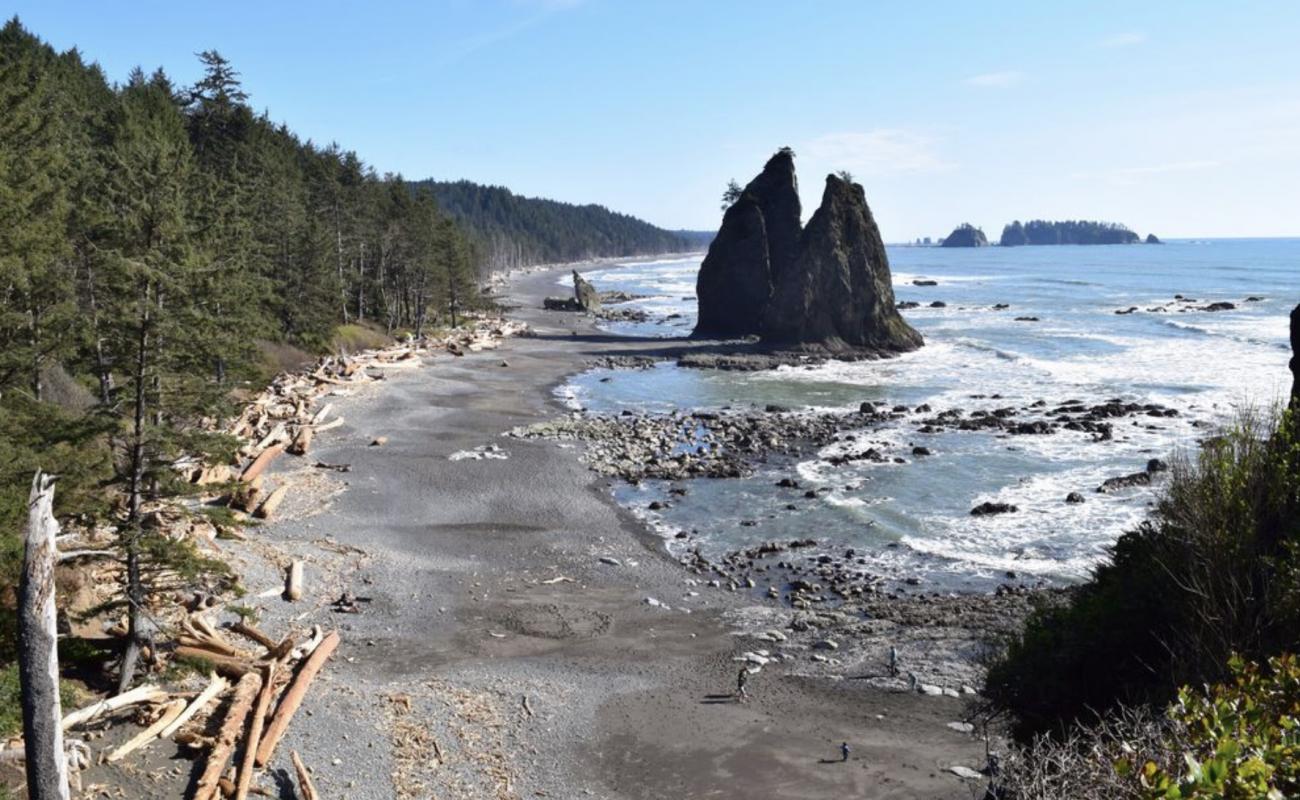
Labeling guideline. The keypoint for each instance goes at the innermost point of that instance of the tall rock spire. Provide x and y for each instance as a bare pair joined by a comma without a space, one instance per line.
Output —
839,295
757,242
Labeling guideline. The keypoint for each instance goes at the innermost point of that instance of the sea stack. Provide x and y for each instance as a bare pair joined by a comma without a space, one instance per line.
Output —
758,241
966,235
585,294
840,294
823,288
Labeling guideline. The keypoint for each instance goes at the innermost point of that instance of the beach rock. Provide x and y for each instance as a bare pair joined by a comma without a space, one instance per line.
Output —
561,304
586,295
1074,498
1219,306
987,508
966,235
924,282
839,295
756,243
826,644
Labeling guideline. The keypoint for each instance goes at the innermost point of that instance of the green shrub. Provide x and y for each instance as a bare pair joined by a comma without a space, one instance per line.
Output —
1242,738
1213,572
11,711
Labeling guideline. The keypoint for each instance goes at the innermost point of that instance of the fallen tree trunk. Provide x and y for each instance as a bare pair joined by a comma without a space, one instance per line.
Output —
140,694
293,697
259,464
272,502
245,692
245,780
38,655
230,666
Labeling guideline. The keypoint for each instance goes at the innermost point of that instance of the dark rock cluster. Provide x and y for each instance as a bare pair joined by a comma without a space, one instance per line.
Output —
826,287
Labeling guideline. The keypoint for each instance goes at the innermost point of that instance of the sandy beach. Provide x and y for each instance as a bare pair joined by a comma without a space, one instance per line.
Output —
505,644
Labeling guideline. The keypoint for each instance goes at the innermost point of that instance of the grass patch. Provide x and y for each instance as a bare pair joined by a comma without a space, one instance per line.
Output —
355,337
11,711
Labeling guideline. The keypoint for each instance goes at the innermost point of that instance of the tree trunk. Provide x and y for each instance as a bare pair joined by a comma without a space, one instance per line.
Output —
38,656
134,586
37,387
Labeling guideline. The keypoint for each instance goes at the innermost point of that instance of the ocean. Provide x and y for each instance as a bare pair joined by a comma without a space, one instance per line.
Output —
912,520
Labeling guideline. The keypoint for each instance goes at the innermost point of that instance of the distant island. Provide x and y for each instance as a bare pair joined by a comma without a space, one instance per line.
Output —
966,235
1040,231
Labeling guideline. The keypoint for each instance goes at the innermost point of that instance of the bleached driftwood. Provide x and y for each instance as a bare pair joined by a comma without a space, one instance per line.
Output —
136,696
171,712
38,651
216,685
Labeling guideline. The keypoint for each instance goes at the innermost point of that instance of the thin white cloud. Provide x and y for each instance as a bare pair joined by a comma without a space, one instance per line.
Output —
1176,166
1125,39
996,80
1131,175
874,152
542,9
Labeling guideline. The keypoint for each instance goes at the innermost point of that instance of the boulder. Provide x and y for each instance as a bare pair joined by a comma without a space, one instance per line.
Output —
989,508
839,295
758,240
586,295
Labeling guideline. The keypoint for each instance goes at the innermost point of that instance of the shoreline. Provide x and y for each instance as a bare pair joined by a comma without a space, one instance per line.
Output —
520,634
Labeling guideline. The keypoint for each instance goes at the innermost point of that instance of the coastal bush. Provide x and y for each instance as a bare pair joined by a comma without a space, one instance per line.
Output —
1232,741
1214,571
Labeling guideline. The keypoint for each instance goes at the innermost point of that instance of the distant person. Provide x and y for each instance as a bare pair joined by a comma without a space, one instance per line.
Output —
844,751
893,661
742,680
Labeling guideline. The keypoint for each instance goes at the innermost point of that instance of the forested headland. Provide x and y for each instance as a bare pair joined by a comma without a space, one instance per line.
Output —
510,230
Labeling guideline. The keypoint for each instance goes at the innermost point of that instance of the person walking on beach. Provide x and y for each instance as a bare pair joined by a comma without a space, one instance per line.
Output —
742,680
844,751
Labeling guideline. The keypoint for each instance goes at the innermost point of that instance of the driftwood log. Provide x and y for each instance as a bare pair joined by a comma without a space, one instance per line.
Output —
293,697
208,787
38,655
245,780
293,582
305,786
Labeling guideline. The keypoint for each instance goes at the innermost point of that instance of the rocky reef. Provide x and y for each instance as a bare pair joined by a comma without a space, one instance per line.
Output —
824,288
965,235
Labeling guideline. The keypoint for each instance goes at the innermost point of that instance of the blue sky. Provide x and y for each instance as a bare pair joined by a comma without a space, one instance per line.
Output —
1181,118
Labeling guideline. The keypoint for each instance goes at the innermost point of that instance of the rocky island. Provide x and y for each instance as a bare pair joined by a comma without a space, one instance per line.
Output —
965,235
1040,231
824,288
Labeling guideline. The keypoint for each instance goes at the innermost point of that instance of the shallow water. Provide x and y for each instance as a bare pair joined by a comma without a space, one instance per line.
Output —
913,519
